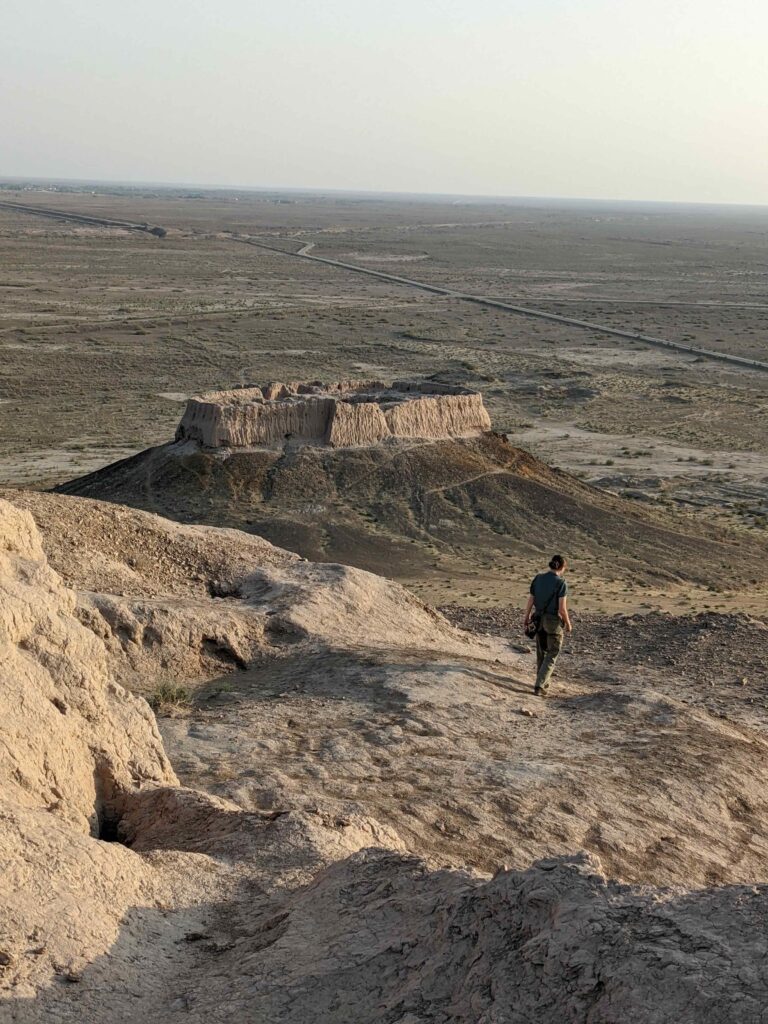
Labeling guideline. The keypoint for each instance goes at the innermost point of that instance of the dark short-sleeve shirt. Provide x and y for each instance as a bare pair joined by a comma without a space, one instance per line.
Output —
547,589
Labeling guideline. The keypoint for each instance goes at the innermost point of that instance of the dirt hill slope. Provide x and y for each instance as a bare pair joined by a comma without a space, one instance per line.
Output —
322,686
459,514
178,904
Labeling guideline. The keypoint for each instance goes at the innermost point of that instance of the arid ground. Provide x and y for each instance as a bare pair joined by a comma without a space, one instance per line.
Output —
105,331
351,808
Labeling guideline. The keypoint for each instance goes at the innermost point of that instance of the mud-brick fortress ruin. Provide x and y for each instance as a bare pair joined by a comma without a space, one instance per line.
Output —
342,415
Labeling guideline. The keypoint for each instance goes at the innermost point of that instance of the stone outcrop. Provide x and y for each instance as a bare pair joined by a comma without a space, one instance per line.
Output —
73,741
346,414
83,776
74,747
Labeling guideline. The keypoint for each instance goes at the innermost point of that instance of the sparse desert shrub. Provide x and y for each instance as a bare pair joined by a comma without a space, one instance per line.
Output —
224,687
167,698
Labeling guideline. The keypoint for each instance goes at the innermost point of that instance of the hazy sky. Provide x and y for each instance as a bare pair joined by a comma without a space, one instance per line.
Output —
636,99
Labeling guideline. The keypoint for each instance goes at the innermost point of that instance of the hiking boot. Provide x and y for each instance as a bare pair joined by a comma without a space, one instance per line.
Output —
538,692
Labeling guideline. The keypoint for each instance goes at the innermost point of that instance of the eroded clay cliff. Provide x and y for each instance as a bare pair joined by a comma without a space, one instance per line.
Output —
73,741
345,414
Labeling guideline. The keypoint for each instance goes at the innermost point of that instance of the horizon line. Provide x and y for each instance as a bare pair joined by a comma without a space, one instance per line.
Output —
318,190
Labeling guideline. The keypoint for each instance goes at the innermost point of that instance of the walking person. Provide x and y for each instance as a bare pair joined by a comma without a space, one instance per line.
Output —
546,617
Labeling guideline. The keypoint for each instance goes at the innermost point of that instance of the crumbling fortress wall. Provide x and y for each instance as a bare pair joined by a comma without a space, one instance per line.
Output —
345,414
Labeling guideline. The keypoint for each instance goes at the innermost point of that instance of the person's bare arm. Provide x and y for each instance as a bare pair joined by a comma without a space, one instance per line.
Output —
528,610
563,609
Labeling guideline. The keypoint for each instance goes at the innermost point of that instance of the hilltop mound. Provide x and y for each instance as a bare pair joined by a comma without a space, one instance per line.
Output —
126,897
456,512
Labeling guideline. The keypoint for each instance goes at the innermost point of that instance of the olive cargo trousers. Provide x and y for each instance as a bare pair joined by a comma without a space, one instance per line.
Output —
549,641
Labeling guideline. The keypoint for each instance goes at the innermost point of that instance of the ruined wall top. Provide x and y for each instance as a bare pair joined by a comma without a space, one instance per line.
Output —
344,414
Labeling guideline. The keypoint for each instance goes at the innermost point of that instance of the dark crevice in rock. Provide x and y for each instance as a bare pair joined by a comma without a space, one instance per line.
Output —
109,828
223,652
224,590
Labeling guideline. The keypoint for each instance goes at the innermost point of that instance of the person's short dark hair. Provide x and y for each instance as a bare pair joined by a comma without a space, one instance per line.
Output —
557,562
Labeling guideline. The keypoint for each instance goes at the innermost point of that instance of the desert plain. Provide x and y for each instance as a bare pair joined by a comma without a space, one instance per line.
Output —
105,332
310,781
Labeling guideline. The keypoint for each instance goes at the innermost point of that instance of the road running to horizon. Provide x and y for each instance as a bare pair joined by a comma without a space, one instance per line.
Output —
304,253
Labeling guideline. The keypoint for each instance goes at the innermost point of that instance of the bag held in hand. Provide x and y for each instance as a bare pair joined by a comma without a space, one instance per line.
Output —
535,621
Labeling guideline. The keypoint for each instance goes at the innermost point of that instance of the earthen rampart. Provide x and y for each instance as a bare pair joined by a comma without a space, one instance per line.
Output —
345,414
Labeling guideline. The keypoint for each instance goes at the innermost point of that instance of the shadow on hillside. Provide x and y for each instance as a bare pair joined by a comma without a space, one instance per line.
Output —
367,676
151,972
378,939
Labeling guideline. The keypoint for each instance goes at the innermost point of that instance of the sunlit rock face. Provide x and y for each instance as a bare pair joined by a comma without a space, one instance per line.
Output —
346,414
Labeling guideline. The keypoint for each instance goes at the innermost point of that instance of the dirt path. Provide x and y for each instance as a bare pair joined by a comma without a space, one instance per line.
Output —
463,483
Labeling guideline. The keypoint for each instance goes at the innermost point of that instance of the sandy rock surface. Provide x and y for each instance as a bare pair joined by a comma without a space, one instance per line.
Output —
84,779
378,938
336,785
73,740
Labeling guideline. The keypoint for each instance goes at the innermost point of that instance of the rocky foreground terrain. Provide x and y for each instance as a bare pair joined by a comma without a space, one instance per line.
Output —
338,825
